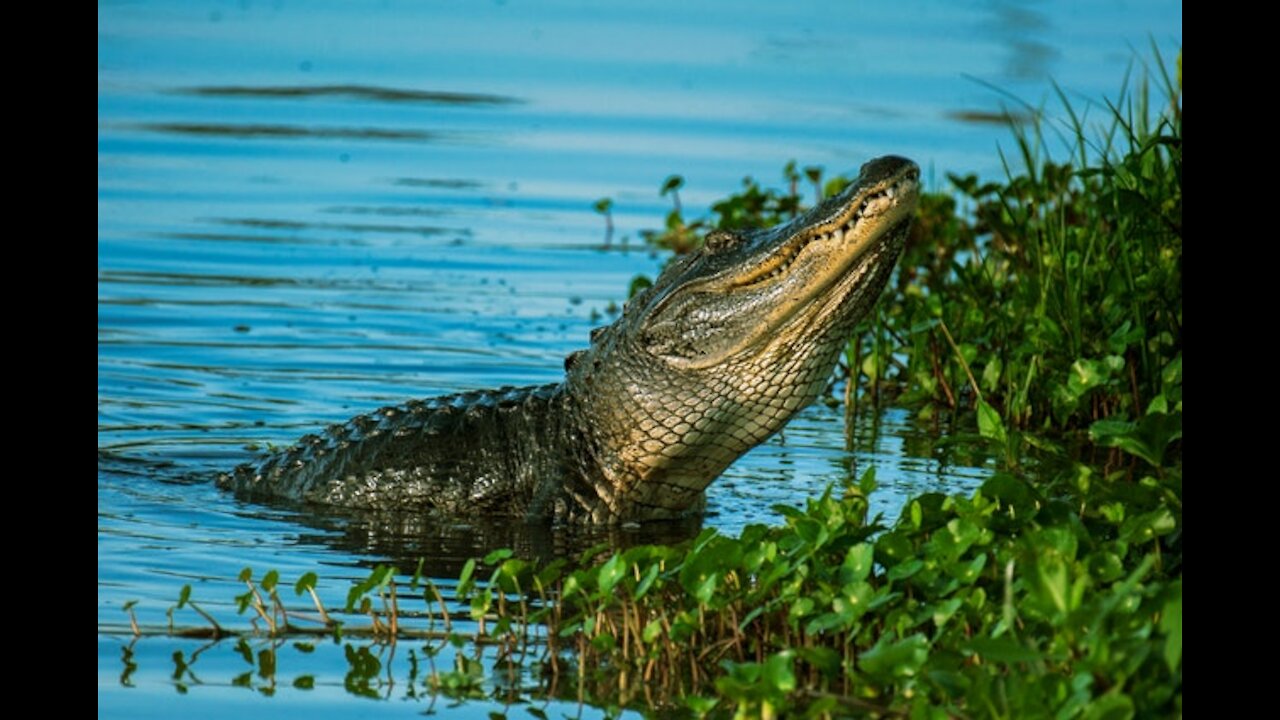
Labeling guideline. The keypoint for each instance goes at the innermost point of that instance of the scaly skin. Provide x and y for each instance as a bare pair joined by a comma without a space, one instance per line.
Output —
728,344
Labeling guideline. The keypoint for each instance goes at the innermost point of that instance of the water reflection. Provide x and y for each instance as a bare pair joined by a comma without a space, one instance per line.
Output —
1003,118
263,131
298,225
1023,30
353,92
443,545
445,183
298,674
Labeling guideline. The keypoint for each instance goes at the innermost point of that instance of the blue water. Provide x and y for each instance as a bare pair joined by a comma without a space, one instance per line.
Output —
309,210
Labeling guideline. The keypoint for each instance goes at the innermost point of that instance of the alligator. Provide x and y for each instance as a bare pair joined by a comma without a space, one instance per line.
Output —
727,344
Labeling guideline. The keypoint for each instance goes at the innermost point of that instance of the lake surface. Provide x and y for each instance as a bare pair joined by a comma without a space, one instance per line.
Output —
308,211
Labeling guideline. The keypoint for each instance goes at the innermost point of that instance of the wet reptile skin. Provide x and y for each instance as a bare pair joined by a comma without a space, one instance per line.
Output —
727,345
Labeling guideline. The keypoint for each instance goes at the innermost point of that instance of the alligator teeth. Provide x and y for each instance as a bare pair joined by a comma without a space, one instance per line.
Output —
872,204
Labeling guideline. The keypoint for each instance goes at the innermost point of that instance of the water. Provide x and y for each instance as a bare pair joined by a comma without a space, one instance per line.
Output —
306,211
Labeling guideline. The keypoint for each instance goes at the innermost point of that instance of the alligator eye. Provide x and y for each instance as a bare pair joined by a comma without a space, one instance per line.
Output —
720,240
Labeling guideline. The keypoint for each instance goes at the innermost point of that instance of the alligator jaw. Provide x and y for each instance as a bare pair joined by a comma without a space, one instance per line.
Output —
793,273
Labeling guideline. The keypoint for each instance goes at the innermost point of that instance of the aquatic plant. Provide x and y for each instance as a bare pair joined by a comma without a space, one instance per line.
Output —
1024,599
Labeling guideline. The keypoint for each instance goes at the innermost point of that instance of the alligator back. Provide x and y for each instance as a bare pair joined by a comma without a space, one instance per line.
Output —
489,452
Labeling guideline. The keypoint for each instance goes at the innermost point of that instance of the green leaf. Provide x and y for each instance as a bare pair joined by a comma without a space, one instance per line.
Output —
823,623
824,658
779,672
858,561
787,511
1002,650
854,601
305,583
1124,336
890,660
353,594
811,531
1112,706
465,582
1052,573
381,576
652,631
481,602
246,575
904,570
1172,373
604,642
1171,626
944,611
269,580
646,581
497,556
1147,439
1013,493
990,425
801,607
867,483
991,374
610,573
699,705
417,574
706,589
183,596
1086,375
1148,526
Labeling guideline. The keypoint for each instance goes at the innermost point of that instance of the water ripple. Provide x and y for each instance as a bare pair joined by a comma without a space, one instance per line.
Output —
355,92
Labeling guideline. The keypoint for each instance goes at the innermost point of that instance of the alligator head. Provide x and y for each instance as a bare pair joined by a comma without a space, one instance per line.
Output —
729,343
